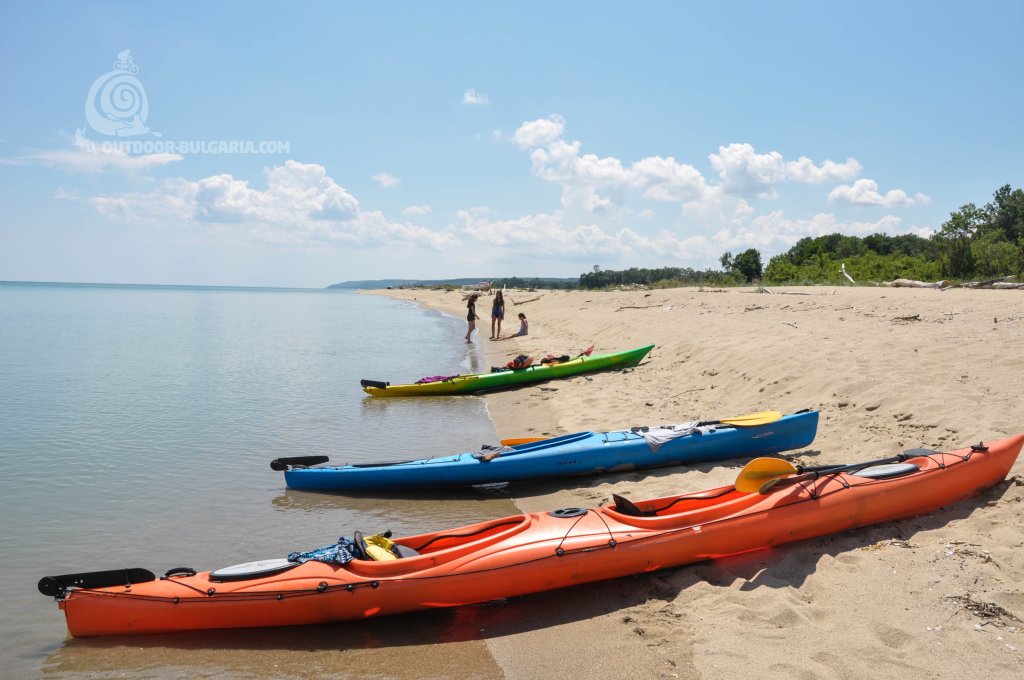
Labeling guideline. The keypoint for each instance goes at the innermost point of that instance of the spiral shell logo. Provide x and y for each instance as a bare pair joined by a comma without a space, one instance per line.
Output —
117,105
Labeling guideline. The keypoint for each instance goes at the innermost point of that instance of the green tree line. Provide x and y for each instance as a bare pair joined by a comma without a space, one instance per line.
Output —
663,276
974,243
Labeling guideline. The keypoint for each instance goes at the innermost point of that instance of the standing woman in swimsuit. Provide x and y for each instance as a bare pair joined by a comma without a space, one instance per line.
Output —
497,314
471,316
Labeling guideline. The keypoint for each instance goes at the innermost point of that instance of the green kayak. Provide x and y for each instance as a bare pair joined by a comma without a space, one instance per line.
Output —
467,384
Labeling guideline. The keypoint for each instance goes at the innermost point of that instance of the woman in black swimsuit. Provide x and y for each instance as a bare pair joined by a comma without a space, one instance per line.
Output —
471,316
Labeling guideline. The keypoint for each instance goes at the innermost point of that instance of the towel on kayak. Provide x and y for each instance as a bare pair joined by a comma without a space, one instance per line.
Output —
435,378
488,452
656,436
339,553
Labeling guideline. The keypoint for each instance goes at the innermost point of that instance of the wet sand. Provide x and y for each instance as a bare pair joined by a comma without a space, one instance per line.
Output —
890,369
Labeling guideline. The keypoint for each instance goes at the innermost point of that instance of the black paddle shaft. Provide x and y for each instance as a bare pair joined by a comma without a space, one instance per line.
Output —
815,472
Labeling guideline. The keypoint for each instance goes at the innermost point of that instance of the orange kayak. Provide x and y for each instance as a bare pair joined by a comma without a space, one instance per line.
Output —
531,552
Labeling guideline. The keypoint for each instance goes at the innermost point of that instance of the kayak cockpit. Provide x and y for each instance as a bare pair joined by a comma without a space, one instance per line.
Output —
682,510
442,547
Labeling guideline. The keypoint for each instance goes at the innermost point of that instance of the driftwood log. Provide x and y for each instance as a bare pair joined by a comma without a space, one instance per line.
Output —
637,307
911,283
1003,283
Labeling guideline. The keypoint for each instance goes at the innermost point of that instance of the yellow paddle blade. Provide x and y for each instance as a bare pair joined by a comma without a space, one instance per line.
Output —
760,470
521,440
753,419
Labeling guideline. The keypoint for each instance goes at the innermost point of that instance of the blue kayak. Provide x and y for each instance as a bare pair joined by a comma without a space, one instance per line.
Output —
582,453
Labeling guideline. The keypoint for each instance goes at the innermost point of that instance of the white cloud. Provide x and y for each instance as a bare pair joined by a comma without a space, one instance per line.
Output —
865,192
744,172
301,206
417,210
583,176
664,179
294,191
804,170
474,98
90,157
606,207
539,132
774,232
386,180
591,183
548,232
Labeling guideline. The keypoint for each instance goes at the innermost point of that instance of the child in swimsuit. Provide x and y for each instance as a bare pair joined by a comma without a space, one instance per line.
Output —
497,314
524,326
471,316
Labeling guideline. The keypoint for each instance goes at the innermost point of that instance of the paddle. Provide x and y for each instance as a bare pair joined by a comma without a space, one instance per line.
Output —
757,475
749,420
760,470
521,440
782,482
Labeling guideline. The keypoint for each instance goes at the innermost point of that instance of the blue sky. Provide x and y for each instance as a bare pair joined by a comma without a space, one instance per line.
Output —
529,139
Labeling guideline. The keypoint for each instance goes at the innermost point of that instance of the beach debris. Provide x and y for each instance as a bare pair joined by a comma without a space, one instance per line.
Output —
891,543
637,307
842,270
907,319
990,611
911,283
1003,283
524,302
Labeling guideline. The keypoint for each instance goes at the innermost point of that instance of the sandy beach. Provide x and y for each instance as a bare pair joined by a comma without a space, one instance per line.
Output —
889,369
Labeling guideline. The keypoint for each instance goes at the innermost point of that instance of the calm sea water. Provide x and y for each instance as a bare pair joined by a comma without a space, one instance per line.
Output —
136,429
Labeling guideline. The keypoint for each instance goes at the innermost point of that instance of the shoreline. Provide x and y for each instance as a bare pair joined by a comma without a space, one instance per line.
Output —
889,369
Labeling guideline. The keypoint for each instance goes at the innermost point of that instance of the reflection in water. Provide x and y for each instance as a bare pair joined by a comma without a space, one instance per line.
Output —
362,648
411,513
401,646
138,424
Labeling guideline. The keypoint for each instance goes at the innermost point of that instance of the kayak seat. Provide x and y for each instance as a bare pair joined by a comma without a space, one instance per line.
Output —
380,547
403,551
627,507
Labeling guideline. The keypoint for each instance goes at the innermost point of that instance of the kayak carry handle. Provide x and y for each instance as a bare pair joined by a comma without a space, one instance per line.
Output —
284,464
180,571
374,383
57,586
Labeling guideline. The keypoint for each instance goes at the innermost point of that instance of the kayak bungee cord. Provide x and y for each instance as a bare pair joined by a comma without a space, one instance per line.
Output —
580,513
